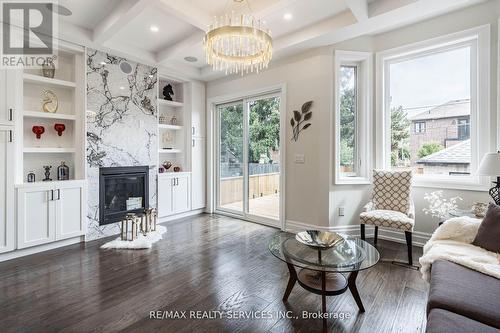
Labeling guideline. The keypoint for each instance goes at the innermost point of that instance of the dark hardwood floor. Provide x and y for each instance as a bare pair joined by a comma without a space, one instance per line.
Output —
204,263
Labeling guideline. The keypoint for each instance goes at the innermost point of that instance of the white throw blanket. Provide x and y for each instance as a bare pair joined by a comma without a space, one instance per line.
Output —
452,242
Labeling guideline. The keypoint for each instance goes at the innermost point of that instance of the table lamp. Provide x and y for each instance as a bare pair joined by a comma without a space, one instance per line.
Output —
490,166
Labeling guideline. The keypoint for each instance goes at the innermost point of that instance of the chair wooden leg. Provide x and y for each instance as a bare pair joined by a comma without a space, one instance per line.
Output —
362,231
408,235
376,235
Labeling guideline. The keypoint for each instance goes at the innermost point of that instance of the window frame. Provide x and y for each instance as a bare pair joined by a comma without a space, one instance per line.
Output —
478,39
418,124
363,61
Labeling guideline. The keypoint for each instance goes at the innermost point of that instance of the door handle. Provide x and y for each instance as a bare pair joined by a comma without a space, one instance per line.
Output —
58,194
11,115
177,181
51,195
10,136
193,143
192,130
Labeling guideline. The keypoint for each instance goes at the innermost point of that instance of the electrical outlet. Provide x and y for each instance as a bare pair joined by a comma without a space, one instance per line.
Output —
341,211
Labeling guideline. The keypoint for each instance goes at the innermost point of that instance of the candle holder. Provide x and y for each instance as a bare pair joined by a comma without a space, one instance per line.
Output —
59,129
38,130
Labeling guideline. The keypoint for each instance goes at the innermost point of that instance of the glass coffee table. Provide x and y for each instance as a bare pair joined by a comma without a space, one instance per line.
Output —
326,272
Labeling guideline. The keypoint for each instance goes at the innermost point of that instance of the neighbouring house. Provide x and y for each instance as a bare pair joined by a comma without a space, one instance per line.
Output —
454,160
447,124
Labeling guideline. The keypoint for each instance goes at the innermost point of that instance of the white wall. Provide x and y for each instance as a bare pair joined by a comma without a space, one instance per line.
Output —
307,77
310,197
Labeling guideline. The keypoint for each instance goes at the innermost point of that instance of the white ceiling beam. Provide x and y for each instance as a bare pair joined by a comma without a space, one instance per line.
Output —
118,18
187,12
179,47
359,9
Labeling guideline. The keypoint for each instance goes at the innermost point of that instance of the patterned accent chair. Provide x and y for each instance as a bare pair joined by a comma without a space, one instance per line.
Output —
391,206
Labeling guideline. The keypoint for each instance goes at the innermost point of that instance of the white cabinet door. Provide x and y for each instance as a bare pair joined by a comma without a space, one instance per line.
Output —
198,173
181,193
7,231
35,216
7,96
165,191
198,109
69,204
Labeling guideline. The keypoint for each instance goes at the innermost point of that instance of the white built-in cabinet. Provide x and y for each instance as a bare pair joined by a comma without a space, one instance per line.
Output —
185,147
198,146
174,193
7,230
7,97
50,212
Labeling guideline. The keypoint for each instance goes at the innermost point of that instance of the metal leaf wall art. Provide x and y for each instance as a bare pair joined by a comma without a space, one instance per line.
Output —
300,120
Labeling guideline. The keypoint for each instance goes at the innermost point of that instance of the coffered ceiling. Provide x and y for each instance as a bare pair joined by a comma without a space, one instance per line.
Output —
165,32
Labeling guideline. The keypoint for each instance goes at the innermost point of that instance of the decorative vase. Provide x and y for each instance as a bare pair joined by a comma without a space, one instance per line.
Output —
31,177
173,120
63,171
48,69
177,169
38,130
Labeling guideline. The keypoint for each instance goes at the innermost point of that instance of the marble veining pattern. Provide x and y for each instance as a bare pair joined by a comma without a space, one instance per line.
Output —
121,126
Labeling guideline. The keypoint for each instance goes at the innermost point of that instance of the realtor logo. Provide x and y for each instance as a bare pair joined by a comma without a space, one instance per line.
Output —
28,34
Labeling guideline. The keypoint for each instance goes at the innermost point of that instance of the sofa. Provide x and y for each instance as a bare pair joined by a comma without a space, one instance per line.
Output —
462,300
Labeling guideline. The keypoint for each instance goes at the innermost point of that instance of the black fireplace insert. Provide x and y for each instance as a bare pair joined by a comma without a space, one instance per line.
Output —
122,190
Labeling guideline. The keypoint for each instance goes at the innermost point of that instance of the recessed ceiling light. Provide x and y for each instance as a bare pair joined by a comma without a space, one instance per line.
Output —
191,59
103,62
288,16
122,88
154,28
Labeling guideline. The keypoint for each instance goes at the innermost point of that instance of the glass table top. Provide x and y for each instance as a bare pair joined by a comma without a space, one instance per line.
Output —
351,255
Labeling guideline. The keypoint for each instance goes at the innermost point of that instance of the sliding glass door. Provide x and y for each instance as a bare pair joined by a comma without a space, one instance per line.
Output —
230,157
248,158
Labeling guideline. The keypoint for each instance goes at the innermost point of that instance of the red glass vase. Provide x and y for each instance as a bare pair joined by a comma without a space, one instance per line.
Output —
38,130
59,128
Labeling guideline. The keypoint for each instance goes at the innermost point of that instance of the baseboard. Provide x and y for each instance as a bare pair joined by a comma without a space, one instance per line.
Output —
174,218
40,248
419,238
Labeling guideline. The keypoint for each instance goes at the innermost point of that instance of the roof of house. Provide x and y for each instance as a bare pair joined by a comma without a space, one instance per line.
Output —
456,154
451,109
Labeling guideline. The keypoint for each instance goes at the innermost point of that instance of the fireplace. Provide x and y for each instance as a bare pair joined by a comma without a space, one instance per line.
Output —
122,190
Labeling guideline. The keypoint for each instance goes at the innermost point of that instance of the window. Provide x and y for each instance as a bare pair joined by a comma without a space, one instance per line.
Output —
352,117
348,114
419,127
431,93
463,129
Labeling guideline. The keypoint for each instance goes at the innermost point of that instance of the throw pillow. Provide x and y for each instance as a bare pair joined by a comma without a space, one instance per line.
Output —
488,235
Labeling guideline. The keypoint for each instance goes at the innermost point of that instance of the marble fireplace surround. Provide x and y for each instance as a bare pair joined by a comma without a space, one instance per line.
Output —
121,126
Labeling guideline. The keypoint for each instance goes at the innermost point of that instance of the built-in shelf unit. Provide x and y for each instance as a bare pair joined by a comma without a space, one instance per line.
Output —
172,135
68,84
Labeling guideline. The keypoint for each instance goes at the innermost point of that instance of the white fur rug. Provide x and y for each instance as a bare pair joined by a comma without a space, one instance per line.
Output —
452,242
141,242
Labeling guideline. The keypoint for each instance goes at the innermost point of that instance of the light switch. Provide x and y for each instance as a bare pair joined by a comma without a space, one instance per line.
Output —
300,158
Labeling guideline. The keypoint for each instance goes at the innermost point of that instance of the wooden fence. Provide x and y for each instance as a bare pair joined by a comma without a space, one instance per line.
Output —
231,189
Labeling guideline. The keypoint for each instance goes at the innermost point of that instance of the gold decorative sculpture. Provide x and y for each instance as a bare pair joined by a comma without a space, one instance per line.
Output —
50,102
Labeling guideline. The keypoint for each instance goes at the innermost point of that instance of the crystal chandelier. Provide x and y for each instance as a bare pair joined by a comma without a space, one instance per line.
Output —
238,43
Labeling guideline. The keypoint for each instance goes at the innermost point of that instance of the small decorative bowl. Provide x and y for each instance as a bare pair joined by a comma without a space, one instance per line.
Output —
319,239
